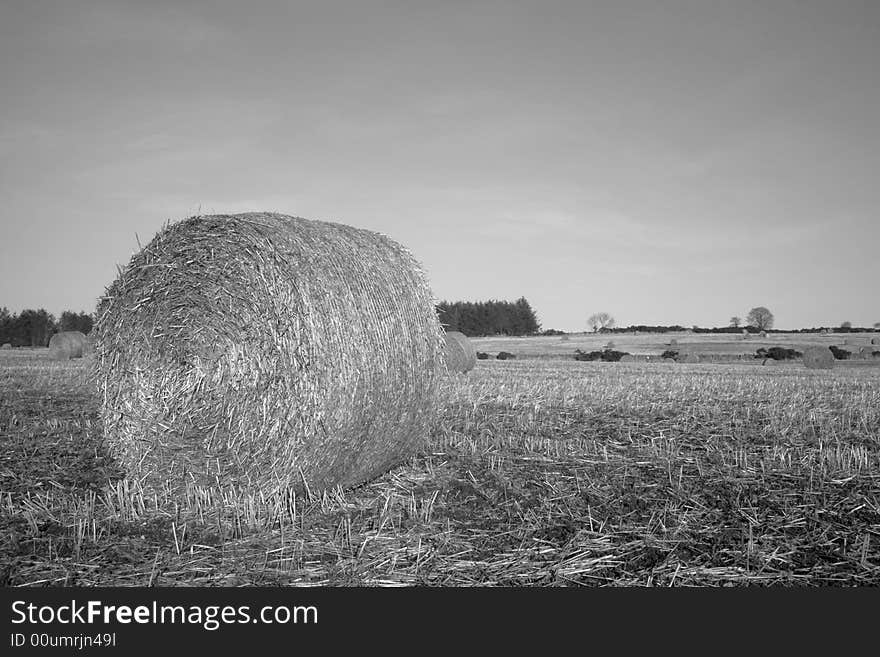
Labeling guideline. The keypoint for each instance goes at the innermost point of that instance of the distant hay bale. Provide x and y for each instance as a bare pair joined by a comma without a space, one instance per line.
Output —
866,352
68,344
875,341
818,358
609,345
6,346
460,353
267,351
673,342
763,334
565,338
688,358
628,358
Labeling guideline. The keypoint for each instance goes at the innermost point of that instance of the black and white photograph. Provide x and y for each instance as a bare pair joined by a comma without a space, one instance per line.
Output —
491,294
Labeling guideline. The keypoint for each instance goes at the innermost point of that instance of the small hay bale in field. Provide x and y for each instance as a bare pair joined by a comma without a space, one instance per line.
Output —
875,341
460,353
67,344
266,351
6,346
818,358
763,334
628,358
688,358
866,352
565,338
673,342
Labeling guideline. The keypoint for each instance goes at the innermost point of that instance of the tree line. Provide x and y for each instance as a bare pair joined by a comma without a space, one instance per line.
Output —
34,328
476,318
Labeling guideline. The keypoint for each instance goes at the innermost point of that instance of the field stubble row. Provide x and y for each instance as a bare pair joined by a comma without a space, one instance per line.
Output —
540,473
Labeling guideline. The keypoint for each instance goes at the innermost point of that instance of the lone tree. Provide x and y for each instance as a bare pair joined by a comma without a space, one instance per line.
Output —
735,322
760,318
599,322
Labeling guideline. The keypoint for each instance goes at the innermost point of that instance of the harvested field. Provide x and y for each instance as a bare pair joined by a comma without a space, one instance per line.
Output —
540,473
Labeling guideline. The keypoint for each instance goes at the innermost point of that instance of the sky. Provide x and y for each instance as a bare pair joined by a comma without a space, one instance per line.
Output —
667,162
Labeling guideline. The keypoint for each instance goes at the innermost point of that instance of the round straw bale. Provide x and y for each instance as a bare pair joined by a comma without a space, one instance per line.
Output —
628,358
66,345
818,358
866,352
688,358
875,341
460,353
267,351
673,342
6,345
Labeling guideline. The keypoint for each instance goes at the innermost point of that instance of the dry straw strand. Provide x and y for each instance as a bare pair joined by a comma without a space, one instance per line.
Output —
68,344
461,356
267,351
818,358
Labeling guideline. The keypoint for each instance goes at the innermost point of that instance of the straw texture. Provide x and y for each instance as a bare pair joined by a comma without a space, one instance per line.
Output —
269,351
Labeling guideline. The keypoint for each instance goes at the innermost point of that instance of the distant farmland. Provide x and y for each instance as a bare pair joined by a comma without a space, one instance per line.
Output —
655,343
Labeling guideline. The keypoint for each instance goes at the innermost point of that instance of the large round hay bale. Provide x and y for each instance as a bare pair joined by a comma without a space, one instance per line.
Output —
67,344
460,353
818,358
267,351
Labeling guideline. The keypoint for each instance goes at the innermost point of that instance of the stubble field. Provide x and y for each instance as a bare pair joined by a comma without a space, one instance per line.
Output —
541,472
